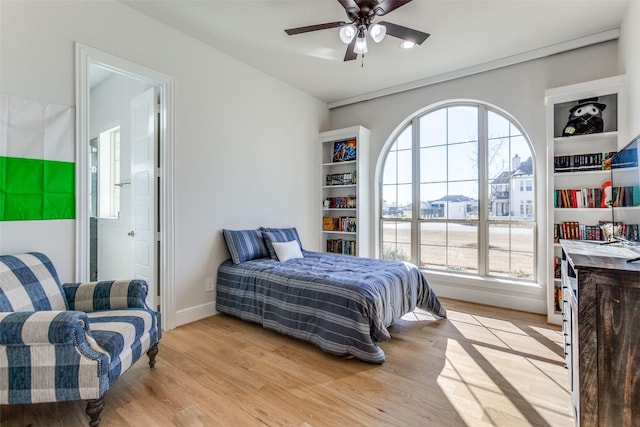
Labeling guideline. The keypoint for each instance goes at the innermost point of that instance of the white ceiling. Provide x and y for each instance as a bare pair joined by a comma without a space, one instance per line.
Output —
465,35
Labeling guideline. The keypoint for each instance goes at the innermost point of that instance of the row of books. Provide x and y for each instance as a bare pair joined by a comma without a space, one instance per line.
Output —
341,223
339,246
577,198
557,299
583,162
347,178
343,202
573,230
625,196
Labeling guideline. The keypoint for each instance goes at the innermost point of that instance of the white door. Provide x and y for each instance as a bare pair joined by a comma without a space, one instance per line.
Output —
143,190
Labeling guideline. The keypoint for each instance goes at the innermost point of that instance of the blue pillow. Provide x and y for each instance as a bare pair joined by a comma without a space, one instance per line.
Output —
245,245
279,235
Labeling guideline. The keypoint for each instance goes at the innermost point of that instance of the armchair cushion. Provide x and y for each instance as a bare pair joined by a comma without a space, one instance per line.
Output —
29,283
125,334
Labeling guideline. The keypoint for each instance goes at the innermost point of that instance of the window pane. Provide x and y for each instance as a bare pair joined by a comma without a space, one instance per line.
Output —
389,175
499,238
511,250
462,259
433,200
404,166
433,128
522,237
462,124
463,161
404,140
497,126
499,158
462,201
432,166
462,234
433,241
522,265
396,240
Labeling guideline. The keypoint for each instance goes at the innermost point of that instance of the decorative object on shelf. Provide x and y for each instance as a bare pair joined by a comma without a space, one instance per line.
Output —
605,200
611,231
344,151
348,178
585,118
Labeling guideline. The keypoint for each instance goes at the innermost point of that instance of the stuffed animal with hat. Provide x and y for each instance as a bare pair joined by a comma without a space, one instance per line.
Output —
585,118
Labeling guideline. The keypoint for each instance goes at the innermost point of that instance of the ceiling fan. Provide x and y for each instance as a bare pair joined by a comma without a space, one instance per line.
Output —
361,14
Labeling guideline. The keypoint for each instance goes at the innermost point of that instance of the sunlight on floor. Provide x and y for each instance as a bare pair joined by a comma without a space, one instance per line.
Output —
499,372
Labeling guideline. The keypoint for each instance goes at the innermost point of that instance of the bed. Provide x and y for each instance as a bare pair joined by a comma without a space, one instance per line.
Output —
342,304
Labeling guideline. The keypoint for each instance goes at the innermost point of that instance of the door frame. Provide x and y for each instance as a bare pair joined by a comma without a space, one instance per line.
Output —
85,57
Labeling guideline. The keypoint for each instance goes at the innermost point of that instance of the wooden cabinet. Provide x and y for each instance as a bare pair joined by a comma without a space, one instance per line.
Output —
601,328
345,191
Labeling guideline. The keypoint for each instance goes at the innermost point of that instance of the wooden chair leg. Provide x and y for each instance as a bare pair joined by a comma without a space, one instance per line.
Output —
152,355
94,409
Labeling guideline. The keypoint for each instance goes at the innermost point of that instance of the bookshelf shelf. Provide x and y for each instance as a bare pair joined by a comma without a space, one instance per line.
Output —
345,191
578,162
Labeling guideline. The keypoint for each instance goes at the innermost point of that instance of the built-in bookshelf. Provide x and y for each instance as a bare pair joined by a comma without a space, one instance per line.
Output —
579,168
345,191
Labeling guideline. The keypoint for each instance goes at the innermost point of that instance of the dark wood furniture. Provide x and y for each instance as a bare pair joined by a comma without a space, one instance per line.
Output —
601,326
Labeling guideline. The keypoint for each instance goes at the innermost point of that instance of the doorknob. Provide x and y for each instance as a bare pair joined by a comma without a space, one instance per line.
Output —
131,233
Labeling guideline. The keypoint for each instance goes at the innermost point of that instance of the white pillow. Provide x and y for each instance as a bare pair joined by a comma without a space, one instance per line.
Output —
287,250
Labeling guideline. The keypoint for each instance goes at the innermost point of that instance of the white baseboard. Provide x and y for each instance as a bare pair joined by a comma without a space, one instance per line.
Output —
194,313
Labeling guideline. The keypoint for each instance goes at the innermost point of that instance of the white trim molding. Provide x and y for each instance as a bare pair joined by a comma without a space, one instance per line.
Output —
604,36
195,313
85,57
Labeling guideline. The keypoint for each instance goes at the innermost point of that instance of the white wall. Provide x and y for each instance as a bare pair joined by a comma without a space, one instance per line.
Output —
246,150
110,105
630,65
517,89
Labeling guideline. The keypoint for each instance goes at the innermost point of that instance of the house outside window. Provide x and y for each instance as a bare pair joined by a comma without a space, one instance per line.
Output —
457,194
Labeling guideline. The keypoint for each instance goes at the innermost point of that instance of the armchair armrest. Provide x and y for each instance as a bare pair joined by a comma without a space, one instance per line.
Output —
43,327
106,295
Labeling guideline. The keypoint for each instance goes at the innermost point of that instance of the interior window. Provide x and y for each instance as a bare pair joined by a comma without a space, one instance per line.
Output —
108,173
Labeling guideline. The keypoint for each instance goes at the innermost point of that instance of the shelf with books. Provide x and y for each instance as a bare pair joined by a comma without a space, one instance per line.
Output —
585,127
345,191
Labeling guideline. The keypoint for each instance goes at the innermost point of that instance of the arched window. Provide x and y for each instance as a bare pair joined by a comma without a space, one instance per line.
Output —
458,194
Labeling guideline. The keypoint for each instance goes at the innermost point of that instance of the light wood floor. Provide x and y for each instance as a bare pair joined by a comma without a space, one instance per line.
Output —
480,367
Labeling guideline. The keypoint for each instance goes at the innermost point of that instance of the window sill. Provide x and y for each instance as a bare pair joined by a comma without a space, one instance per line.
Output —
486,283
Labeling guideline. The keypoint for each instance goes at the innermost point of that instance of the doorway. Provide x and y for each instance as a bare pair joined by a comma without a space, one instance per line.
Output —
124,170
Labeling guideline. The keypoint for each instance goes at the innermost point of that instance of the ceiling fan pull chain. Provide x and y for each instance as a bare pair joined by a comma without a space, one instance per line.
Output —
362,61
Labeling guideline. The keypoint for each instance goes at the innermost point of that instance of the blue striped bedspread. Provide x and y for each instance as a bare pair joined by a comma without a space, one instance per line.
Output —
342,304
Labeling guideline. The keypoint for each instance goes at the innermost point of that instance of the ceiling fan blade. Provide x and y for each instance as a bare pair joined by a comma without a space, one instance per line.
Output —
350,55
350,6
405,33
386,6
309,28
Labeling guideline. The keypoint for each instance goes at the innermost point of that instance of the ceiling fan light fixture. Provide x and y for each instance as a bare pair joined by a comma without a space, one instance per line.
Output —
347,33
361,46
377,32
406,44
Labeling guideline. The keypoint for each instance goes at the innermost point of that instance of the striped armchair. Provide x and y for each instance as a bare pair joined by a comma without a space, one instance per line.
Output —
72,341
